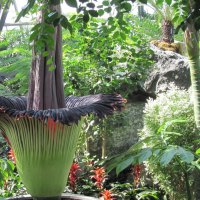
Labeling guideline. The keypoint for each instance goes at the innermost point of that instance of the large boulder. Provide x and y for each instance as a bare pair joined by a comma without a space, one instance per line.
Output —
169,67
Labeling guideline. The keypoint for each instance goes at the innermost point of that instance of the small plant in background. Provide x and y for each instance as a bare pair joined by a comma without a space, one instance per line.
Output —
167,145
98,177
73,176
10,182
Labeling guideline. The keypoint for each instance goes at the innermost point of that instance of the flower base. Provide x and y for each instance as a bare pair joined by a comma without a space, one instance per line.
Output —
63,197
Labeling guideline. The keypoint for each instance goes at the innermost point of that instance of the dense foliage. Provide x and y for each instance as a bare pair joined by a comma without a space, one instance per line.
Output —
105,58
174,111
15,58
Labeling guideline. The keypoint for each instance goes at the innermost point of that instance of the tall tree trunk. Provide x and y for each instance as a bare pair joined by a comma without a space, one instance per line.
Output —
4,14
46,89
167,31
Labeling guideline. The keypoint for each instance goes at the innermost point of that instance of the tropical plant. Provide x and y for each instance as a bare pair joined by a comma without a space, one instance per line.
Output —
15,60
4,5
167,143
45,135
103,60
165,9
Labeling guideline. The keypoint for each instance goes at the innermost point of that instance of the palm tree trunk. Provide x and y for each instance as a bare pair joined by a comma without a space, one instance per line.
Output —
4,14
46,89
192,45
167,31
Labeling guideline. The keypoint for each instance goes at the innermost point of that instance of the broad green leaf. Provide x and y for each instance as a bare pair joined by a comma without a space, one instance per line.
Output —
123,165
168,155
108,9
93,13
49,61
86,17
66,24
144,155
25,10
91,5
185,155
72,3
101,12
106,3
198,151
127,6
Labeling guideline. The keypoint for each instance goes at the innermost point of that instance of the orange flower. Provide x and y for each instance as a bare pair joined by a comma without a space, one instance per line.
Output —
107,195
99,177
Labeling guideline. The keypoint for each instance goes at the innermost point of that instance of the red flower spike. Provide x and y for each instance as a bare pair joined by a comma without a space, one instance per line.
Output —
11,156
137,172
73,176
99,177
107,195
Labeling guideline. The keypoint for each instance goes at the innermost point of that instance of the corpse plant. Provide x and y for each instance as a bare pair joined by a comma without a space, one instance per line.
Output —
43,129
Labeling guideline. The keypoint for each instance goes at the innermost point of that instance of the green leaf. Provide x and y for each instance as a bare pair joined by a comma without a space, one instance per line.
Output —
33,36
127,6
198,151
185,155
93,13
72,3
25,10
49,61
91,5
123,35
168,2
45,53
108,9
116,34
144,155
106,3
86,17
168,155
101,12
56,21
123,165
66,24
159,2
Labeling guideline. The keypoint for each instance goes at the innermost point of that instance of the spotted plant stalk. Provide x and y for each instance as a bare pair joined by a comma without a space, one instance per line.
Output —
44,141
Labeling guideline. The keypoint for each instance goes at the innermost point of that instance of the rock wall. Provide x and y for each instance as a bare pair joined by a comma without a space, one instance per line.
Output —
169,67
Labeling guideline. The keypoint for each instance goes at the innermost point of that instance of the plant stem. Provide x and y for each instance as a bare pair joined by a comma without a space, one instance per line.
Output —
187,184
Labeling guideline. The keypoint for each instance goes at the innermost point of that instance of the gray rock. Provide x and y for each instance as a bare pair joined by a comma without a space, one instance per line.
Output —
169,67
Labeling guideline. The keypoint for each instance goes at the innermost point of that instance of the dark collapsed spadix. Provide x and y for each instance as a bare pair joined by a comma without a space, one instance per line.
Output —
76,107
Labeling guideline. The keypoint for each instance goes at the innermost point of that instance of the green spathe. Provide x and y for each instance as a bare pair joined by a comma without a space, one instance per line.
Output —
44,152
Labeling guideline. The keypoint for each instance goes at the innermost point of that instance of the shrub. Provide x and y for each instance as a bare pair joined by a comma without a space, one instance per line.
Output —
170,106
